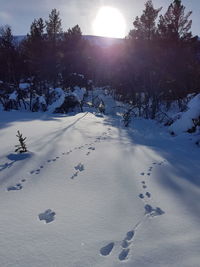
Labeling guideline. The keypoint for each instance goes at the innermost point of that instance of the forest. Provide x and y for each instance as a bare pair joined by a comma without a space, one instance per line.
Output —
158,62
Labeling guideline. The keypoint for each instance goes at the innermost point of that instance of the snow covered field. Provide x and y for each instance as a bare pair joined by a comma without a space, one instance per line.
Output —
91,193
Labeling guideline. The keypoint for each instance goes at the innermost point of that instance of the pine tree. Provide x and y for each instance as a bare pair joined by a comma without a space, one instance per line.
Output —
175,24
145,26
143,56
72,49
21,148
34,48
53,25
54,34
7,54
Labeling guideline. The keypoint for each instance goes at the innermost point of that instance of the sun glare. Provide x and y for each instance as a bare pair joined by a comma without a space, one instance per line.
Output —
109,22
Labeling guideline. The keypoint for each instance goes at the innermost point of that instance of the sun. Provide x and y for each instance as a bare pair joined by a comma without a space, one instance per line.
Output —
109,22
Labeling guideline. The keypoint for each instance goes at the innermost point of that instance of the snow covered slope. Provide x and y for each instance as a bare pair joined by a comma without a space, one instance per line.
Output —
91,193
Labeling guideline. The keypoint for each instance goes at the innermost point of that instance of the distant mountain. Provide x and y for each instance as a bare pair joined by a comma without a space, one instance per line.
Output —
19,38
103,41
96,40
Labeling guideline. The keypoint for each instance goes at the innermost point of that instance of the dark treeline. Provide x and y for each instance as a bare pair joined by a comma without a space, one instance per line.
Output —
159,60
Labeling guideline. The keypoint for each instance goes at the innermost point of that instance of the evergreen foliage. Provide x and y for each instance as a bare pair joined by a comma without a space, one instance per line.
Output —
21,147
158,62
175,24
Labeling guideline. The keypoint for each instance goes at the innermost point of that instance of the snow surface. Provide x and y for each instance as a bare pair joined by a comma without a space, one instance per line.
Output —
24,86
184,121
42,100
59,99
79,93
13,96
74,200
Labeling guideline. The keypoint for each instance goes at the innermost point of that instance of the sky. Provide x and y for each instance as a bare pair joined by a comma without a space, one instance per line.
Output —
19,14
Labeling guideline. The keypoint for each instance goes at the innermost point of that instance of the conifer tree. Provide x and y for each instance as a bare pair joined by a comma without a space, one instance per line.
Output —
145,26
54,32
21,147
53,25
34,47
175,25
7,54
72,48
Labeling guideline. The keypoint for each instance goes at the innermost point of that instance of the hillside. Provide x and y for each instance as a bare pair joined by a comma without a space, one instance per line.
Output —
95,40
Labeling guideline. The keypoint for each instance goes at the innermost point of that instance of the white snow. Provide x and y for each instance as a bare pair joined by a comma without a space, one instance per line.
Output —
184,121
24,86
74,200
42,100
13,96
79,93
60,98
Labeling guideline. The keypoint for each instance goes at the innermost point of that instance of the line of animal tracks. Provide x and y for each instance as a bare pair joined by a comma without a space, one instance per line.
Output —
150,211
125,245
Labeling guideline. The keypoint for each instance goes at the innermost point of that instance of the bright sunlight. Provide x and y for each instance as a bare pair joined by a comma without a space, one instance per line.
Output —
109,22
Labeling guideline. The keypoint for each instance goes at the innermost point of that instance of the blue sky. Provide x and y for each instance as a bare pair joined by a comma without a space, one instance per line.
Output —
20,13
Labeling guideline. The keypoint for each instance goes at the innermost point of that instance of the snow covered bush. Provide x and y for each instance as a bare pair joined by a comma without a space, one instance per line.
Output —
64,102
56,99
69,104
189,120
39,103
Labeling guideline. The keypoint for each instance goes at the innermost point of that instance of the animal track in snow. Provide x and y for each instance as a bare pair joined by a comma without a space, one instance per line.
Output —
15,187
125,244
144,186
127,241
79,167
141,196
149,210
47,216
74,175
91,148
124,254
142,173
148,194
105,251
129,235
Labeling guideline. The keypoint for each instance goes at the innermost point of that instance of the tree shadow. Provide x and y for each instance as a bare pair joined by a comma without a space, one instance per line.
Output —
180,153
13,159
9,117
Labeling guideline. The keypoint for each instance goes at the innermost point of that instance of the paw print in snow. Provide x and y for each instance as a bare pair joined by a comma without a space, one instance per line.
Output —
79,167
47,216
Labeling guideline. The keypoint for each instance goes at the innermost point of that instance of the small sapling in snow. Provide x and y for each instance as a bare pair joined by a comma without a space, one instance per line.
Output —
21,147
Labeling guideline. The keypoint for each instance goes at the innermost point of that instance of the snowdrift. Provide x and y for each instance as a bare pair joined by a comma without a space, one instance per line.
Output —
189,120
